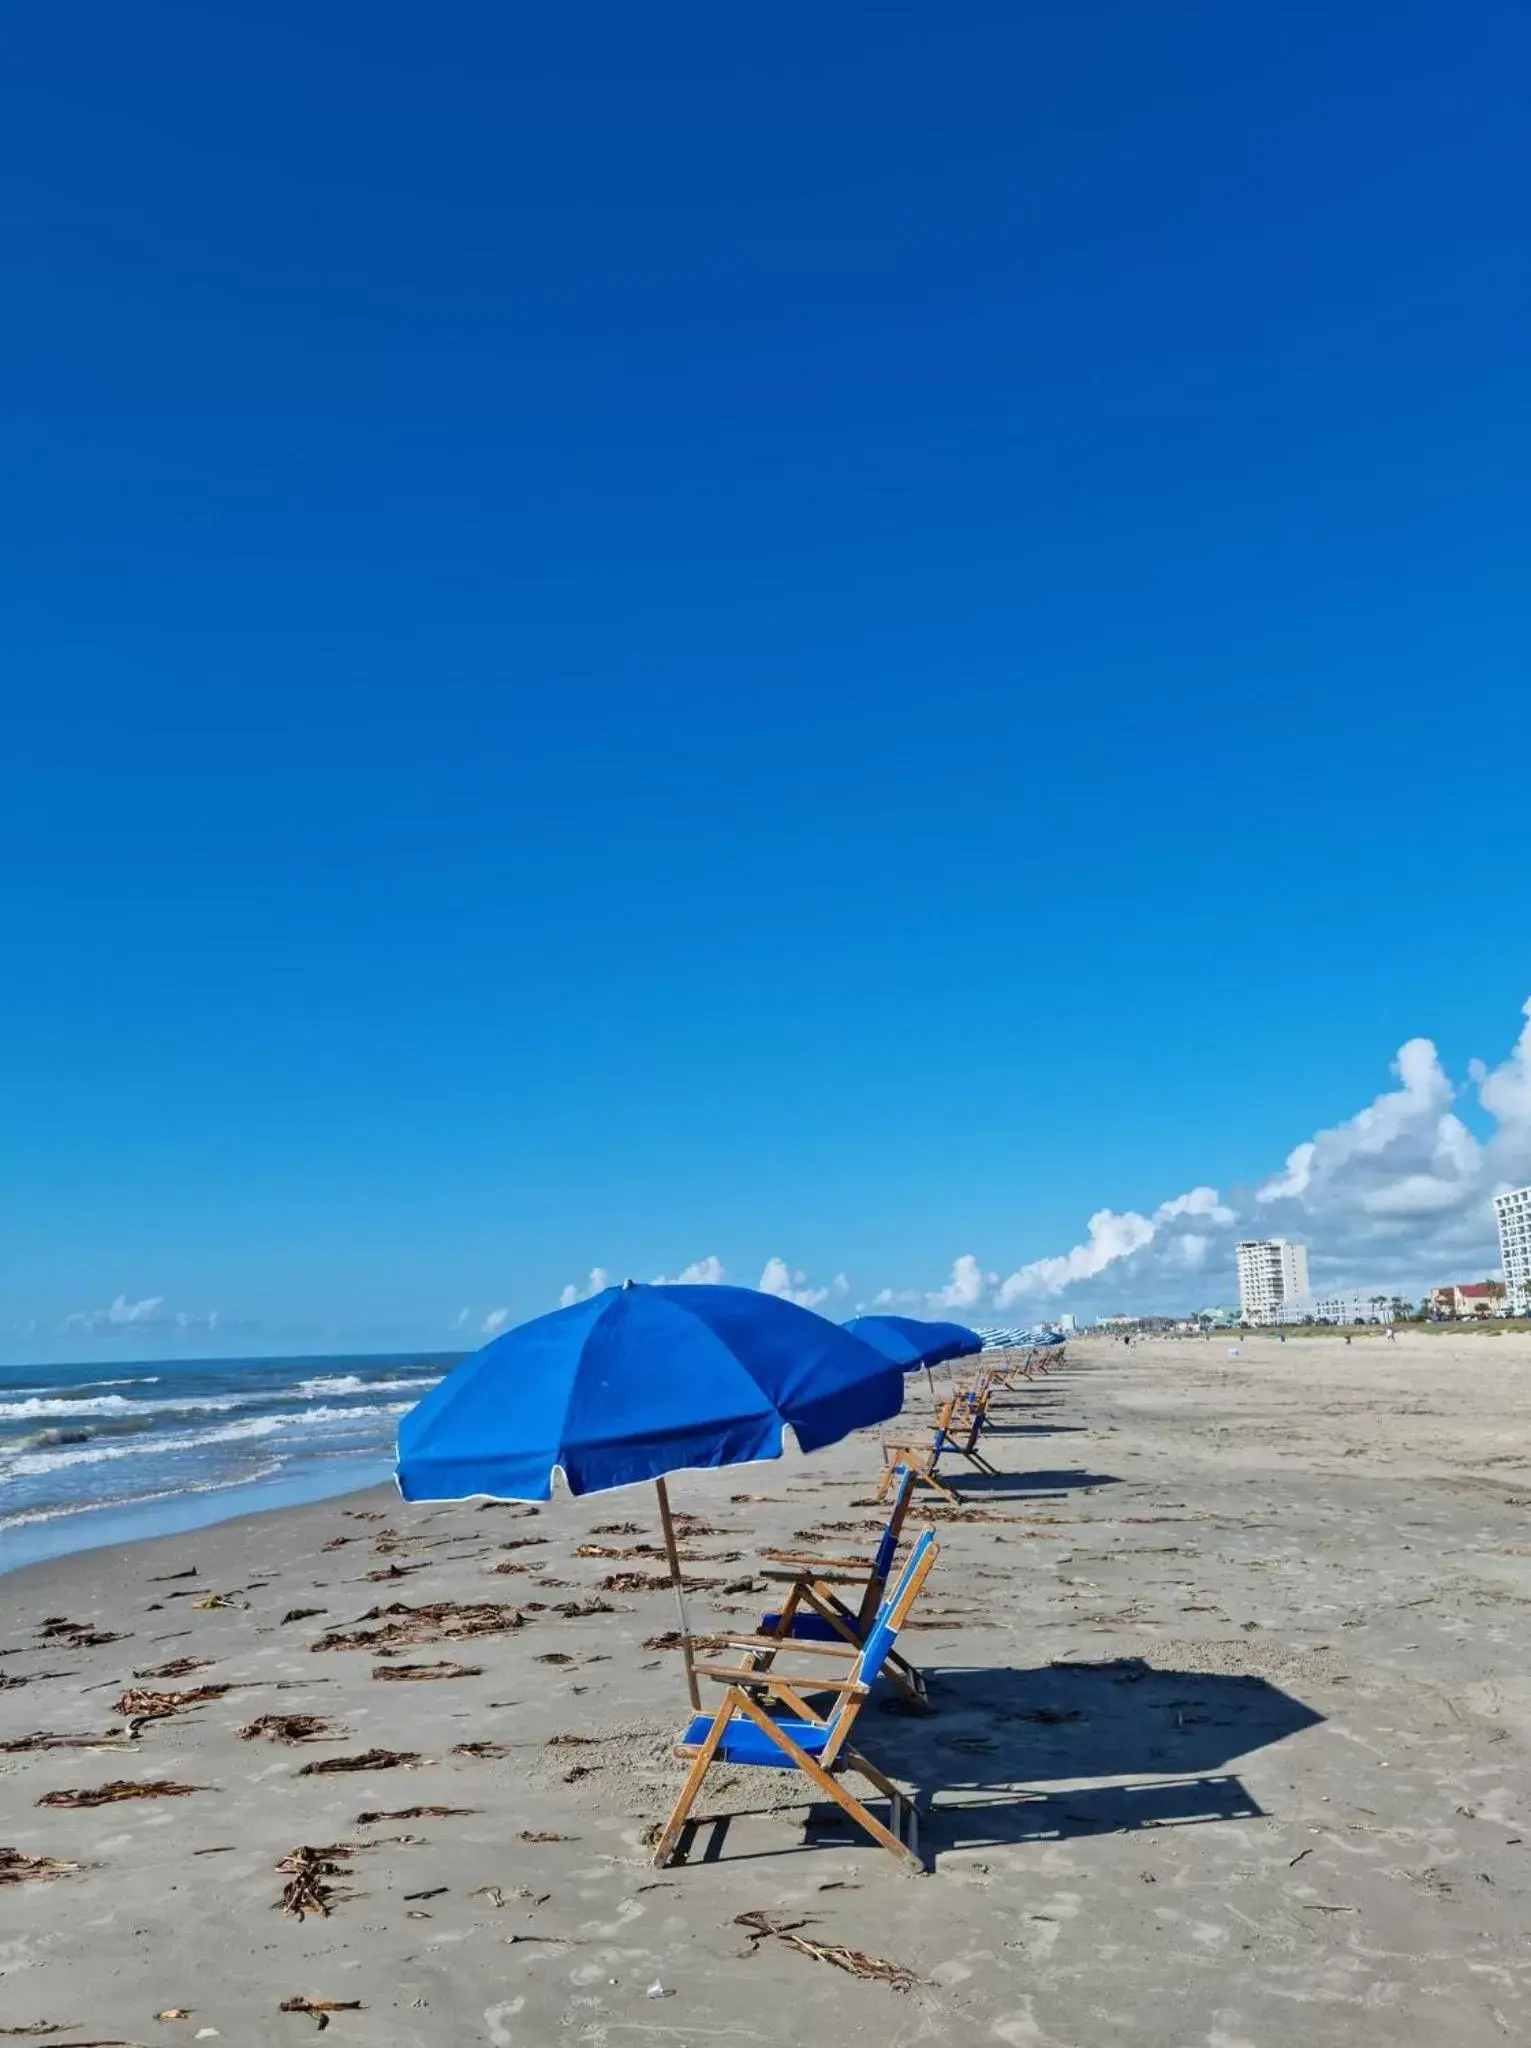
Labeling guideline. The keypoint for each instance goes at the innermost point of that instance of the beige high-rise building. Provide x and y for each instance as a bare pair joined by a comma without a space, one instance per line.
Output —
1273,1280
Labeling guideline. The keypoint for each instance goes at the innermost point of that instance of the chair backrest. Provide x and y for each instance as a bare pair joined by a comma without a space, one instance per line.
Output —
887,1544
960,1429
887,1549
880,1640
896,1604
944,1418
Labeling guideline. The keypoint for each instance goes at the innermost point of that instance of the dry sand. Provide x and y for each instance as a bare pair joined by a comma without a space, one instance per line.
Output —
1280,1797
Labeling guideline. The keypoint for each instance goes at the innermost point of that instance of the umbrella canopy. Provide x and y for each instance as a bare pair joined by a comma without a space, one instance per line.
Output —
1017,1337
638,1382
909,1342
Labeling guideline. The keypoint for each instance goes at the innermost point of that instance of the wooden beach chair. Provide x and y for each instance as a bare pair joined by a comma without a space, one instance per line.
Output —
958,1426
766,1720
1010,1368
813,1611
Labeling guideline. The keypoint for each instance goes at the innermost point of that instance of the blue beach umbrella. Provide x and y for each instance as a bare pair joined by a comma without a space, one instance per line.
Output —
1018,1337
634,1384
911,1343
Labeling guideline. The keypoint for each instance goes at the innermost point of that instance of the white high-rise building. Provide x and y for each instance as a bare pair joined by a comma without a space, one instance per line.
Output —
1514,1213
1273,1279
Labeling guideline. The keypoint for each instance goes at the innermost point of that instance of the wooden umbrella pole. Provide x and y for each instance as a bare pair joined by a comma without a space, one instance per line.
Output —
672,1551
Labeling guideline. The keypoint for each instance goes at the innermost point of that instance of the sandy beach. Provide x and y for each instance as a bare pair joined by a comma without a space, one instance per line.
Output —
1232,1689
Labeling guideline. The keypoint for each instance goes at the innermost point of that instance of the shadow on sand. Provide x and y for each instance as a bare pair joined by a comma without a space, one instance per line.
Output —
985,1760
991,1429
991,1486
1006,1754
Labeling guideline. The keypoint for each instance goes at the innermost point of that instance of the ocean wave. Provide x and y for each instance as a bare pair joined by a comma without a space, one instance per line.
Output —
348,1383
46,1406
305,1416
137,1379
135,1500
60,1408
32,1463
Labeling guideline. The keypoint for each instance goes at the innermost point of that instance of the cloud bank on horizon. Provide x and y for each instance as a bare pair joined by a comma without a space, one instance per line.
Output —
1399,1196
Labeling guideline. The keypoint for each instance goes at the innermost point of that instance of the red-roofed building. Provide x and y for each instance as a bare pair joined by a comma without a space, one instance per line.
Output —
1467,1304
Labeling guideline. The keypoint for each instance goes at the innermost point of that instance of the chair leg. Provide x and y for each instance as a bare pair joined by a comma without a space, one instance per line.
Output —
910,1682
929,1479
904,1812
830,1786
664,1848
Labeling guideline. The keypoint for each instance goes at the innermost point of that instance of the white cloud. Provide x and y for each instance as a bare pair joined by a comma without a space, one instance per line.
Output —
967,1286
496,1319
124,1311
1111,1237
1399,1196
598,1282
779,1279
460,1320
897,1297
135,1315
706,1272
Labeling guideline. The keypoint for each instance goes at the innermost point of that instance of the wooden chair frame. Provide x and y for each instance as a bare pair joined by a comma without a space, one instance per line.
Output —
751,1689
810,1594
950,1434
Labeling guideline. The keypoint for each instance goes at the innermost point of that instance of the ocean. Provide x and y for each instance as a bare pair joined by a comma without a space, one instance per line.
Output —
93,1454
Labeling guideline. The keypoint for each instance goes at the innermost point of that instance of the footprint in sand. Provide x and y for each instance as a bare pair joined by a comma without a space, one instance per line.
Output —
495,2018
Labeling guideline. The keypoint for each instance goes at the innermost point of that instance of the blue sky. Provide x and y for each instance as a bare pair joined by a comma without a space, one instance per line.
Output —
848,635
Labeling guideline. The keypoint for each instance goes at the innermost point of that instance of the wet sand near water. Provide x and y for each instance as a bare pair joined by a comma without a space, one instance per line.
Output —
1232,1679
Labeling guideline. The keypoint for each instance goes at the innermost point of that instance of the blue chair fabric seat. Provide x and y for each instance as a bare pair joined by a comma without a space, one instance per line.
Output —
745,1743
807,1627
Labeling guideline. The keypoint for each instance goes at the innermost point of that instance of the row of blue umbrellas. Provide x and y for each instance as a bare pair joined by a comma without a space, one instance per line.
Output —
640,1382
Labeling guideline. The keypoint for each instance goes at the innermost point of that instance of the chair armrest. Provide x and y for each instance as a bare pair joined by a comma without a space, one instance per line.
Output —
803,1557
778,1681
821,1575
802,1644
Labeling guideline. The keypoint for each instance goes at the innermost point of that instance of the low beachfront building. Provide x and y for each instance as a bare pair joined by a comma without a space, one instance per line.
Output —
1354,1305
1471,1303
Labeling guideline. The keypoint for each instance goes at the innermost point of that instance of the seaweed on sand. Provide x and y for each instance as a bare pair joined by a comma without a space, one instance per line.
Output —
121,1789
762,1927
308,1872
138,1703
291,1728
16,1867
178,1667
367,1760
404,1627
402,1673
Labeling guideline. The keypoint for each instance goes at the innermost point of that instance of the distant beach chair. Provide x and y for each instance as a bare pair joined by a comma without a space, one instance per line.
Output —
1018,1363
958,1426
765,1720
814,1612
